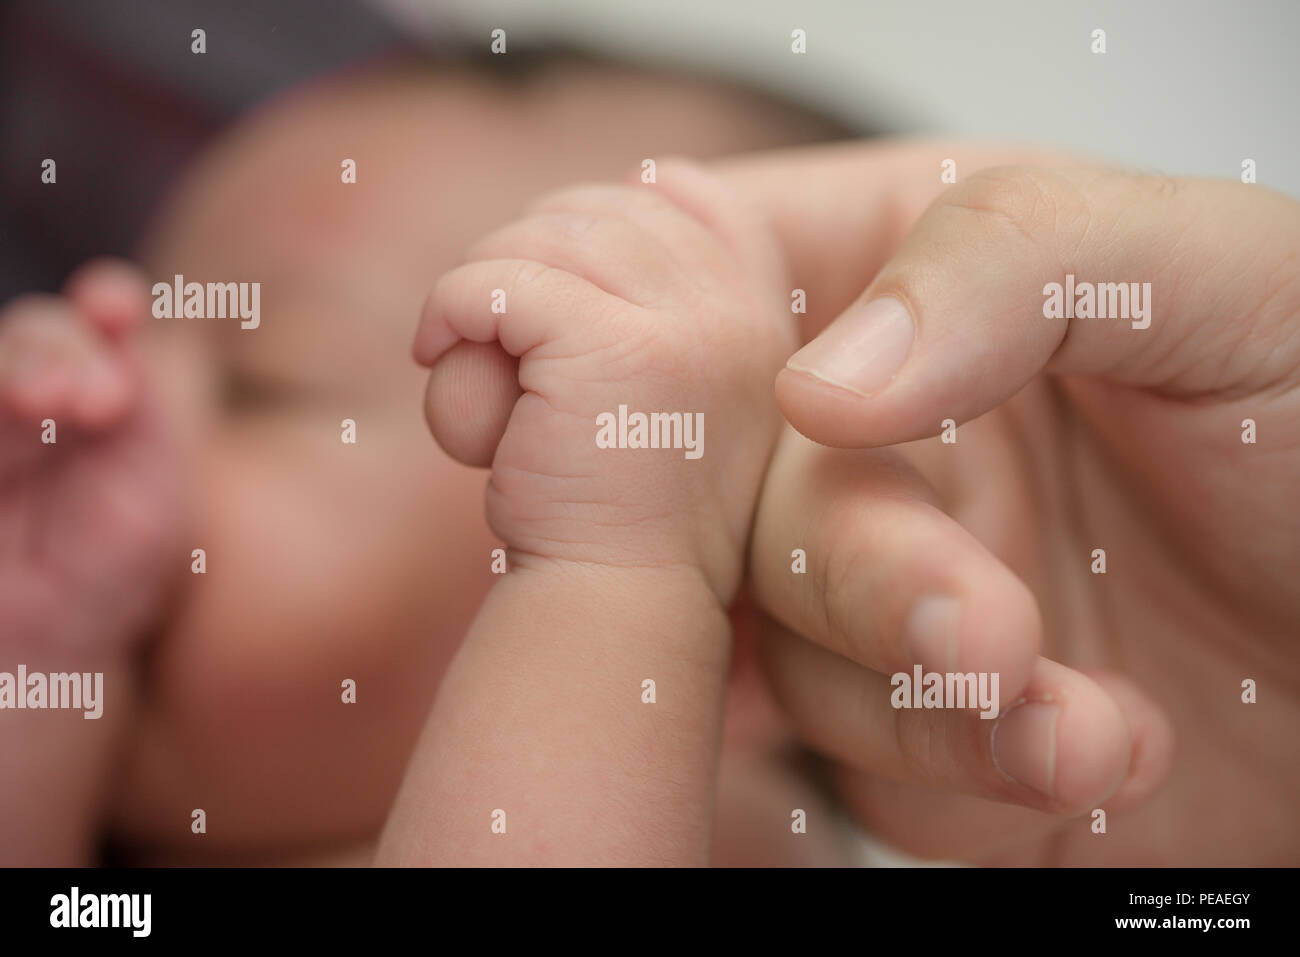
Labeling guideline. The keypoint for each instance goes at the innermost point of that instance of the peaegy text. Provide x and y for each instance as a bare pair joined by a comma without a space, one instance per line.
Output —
1222,898
1182,897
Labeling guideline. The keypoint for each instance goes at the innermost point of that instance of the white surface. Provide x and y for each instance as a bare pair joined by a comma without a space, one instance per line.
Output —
1189,88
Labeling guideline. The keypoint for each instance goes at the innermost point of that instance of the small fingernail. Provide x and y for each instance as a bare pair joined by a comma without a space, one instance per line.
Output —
1024,745
862,350
930,632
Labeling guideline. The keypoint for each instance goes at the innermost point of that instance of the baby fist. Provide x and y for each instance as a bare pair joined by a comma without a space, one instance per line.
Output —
587,349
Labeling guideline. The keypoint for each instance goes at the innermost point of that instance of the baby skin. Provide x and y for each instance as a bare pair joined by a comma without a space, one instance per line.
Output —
324,561
580,722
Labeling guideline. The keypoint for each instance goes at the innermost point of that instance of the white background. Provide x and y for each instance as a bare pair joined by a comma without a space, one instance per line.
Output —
1189,88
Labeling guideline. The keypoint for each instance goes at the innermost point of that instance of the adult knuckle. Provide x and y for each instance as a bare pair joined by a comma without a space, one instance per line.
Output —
1121,187
842,546
1035,203
918,737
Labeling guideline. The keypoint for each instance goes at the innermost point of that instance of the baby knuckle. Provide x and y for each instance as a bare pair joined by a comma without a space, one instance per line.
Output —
569,198
652,344
581,228
528,272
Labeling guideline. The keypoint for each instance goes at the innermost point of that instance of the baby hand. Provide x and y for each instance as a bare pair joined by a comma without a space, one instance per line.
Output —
666,301
648,323
90,499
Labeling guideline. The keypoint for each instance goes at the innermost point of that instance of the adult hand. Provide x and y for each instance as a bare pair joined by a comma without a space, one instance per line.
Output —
1127,435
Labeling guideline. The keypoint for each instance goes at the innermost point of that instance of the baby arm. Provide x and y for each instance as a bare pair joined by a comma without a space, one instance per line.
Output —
548,744
539,727
89,507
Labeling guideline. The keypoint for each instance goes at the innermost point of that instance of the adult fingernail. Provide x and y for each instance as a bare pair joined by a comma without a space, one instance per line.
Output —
930,632
1024,745
862,350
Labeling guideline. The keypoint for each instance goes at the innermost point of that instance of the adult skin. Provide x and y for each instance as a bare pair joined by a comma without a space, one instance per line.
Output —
1072,436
